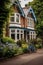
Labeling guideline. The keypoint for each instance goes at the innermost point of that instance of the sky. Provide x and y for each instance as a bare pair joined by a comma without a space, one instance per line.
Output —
23,2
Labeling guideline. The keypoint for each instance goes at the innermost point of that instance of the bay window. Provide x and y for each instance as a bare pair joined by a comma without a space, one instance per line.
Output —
15,17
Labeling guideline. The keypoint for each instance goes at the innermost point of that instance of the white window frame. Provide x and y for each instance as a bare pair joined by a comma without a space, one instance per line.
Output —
15,17
30,20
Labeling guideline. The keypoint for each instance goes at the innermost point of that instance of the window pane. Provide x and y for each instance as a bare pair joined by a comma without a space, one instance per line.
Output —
28,37
17,36
31,37
21,31
21,36
17,17
12,30
27,32
17,31
12,19
13,36
31,32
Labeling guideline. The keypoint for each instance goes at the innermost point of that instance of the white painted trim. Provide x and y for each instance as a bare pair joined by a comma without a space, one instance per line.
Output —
15,18
30,21
16,34
10,33
19,17
30,28
14,25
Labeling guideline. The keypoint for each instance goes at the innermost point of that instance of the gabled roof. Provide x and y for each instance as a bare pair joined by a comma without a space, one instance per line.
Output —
17,3
30,10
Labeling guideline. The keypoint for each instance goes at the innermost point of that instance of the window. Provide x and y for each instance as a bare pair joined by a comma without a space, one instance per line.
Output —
17,36
12,31
12,18
27,32
30,23
17,31
21,31
31,33
21,36
13,36
17,17
31,37
28,37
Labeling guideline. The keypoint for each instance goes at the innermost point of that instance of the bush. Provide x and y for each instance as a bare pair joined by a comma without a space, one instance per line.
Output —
20,42
20,51
38,46
1,51
24,47
39,43
34,41
31,48
15,48
39,40
8,50
7,39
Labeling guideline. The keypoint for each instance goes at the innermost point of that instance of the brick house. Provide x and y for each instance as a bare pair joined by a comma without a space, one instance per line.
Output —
22,23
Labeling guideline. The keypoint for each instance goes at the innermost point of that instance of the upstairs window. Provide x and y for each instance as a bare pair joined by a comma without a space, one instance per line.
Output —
17,17
12,17
30,22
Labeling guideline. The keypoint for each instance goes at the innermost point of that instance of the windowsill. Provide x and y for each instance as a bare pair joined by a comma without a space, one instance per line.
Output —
29,26
14,23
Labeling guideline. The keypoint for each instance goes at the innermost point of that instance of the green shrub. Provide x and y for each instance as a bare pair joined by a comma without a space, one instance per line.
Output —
11,50
15,49
8,52
5,51
20,51
20,42
1,51
39,41
38,46
24,47
7,39
34,41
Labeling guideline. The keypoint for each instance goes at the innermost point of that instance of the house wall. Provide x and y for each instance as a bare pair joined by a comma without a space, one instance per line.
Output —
24,22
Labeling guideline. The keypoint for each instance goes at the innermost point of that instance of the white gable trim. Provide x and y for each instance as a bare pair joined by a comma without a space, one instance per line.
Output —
32,12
